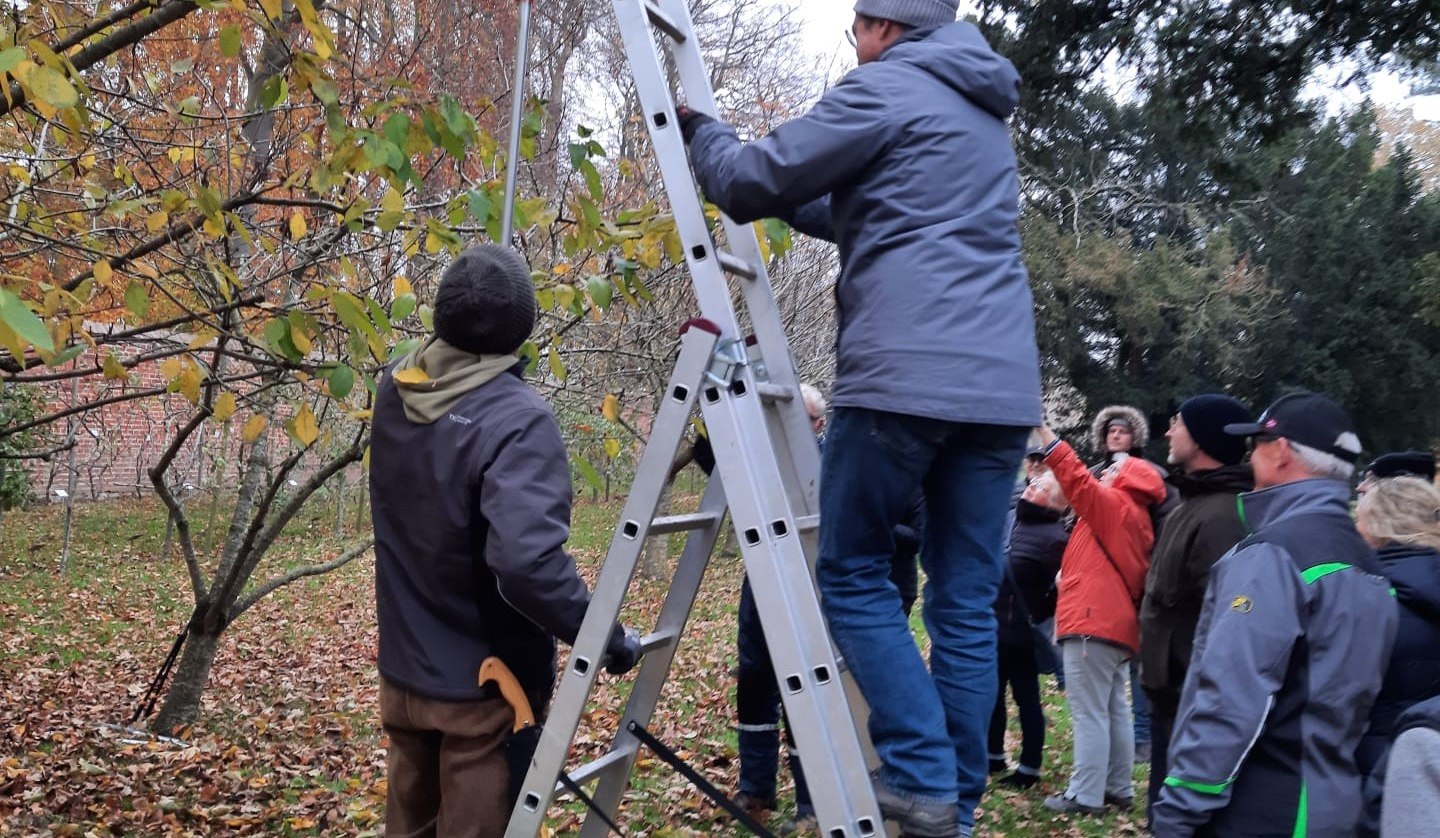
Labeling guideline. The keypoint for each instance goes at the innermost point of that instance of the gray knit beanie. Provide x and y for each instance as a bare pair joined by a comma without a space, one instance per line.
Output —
485,304
920,14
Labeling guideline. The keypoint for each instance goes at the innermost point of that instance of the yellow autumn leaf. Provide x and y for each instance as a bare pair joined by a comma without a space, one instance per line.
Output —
156,221
297,226
190,384
271,7
411,375
170,368
253,427
300,338
561,268
202,337
102,270
610,408
11,341
402,287
113,369
52,88
224,407
303,426
612,448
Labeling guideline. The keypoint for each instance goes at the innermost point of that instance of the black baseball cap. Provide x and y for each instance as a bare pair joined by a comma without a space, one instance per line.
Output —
1403,464
1308,418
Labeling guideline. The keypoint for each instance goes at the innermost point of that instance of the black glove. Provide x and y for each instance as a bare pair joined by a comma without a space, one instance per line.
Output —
690,122
624,651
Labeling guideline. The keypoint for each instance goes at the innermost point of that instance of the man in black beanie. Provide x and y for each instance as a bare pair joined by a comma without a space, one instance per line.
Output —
1209,474
470,497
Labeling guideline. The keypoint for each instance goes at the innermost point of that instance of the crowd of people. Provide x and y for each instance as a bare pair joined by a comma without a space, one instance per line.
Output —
1283,645
1235,588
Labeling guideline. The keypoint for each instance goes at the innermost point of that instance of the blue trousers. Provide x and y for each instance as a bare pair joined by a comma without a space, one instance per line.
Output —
929,726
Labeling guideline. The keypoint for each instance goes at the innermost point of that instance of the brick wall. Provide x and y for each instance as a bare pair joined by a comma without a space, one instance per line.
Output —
116,445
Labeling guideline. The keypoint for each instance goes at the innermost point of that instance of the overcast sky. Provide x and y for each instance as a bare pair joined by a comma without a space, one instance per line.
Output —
827,20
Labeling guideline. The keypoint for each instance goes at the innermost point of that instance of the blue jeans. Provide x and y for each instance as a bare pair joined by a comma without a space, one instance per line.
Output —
1139,705
928,726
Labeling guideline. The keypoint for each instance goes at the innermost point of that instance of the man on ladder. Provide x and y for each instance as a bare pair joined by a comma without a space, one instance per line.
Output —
907,165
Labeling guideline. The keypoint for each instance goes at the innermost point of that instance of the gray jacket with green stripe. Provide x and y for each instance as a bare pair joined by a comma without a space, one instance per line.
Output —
1292,644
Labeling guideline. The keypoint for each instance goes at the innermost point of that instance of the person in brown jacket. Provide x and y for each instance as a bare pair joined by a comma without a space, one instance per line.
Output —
1102,576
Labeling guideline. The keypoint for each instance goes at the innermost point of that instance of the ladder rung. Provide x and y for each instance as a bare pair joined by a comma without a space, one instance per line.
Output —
735,265
806,523
681,523
655,640
774,392
591,770
663,22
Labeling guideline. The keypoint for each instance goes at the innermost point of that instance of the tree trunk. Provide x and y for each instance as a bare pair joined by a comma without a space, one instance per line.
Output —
182,700
655,554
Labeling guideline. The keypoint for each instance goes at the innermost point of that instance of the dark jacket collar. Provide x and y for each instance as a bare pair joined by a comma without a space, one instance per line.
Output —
1264,507
1033,513
1224,480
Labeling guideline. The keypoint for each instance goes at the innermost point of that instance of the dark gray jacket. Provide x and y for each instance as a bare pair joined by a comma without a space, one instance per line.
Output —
906,164
1293,638
471,515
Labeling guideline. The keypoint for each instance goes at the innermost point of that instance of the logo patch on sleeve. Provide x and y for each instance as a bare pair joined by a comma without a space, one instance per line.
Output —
1241,603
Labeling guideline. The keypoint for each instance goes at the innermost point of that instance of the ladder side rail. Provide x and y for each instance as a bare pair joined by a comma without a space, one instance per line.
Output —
758,292
655,666
806,667
587,655
711,291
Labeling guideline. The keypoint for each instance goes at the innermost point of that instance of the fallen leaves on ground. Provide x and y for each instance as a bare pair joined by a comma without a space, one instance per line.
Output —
288,742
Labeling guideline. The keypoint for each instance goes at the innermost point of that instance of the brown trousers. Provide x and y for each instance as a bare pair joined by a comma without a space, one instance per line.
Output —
447,771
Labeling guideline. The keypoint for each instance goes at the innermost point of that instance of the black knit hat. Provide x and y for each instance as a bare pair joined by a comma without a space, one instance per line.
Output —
1404,464
486,301
1205,417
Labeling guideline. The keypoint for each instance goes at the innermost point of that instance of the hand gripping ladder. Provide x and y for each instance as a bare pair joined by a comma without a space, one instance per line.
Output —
767,462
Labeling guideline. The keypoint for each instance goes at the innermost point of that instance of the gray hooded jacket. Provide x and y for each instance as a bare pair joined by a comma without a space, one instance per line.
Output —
906,164
1289,654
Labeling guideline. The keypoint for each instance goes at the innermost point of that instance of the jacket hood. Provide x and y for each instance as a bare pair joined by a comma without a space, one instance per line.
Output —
958,55
1302,497
1224,480
449,374
1414,573
1132,415
1142,480
1425,714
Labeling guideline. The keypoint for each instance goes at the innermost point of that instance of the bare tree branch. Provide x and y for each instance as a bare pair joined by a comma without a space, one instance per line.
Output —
261,591
177,511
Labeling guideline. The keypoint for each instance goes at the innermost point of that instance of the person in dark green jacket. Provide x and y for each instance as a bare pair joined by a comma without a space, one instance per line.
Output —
1208,474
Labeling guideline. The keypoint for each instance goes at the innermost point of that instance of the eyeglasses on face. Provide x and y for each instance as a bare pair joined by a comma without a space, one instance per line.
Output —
850,36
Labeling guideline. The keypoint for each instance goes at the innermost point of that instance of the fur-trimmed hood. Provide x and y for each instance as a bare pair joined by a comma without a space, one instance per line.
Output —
1132,415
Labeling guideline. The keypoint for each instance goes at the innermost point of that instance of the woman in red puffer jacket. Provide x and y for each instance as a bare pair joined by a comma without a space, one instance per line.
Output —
1102,576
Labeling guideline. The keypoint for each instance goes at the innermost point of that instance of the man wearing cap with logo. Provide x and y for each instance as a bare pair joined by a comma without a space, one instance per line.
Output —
1291,647
907,165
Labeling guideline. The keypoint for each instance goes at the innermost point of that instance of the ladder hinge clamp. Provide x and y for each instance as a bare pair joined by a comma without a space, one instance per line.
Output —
726,362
